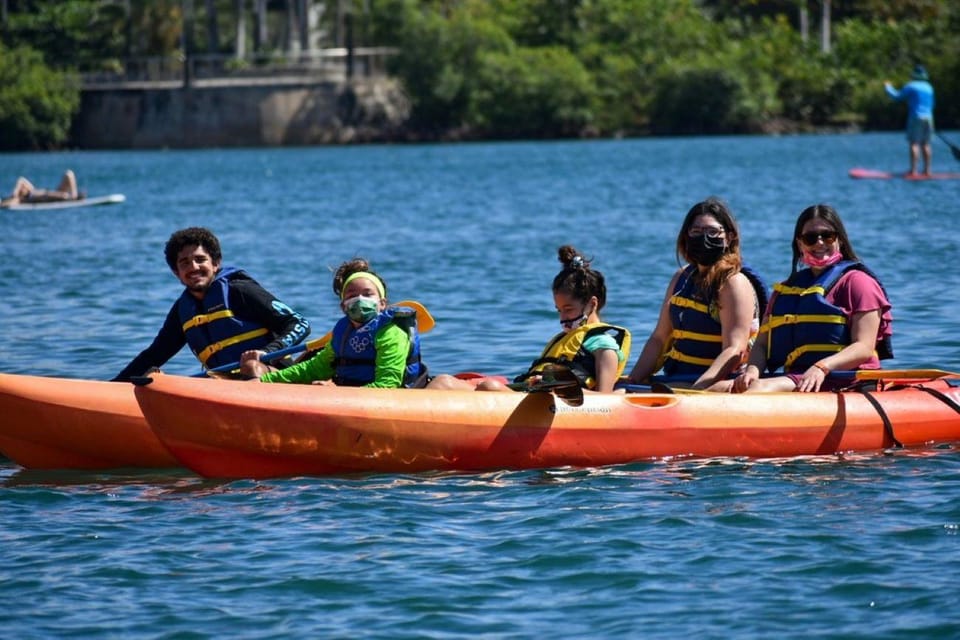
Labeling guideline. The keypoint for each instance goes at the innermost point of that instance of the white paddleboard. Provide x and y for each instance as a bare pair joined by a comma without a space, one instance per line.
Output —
67,204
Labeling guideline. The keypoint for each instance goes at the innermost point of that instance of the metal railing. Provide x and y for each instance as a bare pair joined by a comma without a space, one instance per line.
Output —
212,69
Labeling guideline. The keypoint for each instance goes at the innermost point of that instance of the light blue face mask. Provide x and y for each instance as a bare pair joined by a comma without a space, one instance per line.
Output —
361,309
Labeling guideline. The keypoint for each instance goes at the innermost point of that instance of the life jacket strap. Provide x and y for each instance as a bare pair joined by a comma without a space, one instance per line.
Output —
689,303
800,291
808,348
206,318
794,318
680,334
206,354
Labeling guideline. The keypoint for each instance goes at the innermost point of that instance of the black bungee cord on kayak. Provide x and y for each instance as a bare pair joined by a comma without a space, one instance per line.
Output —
887,425
939,395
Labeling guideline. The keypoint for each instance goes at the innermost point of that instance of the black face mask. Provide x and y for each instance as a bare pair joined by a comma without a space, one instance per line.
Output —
704,250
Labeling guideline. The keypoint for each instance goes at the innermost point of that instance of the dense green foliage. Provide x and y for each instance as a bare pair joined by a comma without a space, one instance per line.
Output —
573,67
70,34
36,102
536,68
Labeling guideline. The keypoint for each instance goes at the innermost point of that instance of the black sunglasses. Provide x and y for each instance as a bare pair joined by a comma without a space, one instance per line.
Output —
810,238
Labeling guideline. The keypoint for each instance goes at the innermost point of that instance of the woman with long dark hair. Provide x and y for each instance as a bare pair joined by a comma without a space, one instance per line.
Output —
831,314
711,310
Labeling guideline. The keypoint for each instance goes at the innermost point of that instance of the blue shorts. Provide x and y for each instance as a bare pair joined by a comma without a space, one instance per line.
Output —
919,130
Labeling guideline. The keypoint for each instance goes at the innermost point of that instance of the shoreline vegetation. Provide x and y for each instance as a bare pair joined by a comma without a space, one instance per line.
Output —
509,69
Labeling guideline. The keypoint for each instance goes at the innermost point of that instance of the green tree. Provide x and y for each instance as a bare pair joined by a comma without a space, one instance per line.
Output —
71,34
700,101
439,58
37,103
627,44
541,23
531,92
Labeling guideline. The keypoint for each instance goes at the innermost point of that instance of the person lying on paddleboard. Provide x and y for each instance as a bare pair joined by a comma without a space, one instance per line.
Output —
223,314
373,345
25,193
710,313
594,351
831,314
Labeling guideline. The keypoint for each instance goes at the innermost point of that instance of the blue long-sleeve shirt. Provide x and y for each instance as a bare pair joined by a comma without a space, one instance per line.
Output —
918,94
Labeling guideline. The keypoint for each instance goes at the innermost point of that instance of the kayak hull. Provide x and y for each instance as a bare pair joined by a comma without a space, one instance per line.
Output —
60,423
232,430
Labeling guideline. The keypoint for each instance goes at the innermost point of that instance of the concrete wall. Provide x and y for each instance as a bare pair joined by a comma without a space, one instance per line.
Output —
368,109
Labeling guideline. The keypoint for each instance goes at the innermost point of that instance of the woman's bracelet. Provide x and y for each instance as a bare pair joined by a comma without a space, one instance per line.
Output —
822,367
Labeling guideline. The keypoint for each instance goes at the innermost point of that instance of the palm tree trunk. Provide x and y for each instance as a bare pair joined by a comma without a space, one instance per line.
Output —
288,40
260,26
240,47
186,40
825,27
304,11
804,22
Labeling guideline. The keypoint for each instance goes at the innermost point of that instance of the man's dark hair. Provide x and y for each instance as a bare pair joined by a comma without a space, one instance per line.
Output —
191,237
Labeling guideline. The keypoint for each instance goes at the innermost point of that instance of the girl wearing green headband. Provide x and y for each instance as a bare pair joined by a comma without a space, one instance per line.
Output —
373,345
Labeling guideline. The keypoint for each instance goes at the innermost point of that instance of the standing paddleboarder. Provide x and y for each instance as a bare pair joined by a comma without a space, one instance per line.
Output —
918,94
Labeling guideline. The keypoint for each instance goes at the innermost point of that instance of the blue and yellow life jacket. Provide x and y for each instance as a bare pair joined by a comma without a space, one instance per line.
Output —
803,326
566,349
697,337
214,334
355,349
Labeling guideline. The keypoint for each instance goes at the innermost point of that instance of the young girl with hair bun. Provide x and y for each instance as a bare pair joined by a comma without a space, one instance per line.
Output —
593,350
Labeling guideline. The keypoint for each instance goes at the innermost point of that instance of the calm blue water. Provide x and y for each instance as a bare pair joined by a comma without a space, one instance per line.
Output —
861,547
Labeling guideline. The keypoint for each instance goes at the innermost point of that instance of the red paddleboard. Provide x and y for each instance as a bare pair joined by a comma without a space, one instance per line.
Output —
866,174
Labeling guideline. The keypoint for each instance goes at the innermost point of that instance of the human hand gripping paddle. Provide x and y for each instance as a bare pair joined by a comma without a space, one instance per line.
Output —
556,379
425,324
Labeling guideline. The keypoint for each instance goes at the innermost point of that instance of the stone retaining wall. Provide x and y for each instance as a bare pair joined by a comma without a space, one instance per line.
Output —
226,115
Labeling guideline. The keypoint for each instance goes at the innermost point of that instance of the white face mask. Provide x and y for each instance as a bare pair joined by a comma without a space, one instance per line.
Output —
569,325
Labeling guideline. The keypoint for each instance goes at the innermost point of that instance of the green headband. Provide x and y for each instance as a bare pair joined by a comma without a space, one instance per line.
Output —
369,276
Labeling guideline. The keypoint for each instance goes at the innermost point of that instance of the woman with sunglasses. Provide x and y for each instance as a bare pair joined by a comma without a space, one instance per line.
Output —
711,311
831,314
592,350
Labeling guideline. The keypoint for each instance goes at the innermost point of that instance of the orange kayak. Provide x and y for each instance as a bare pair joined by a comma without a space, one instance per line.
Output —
60,423
251,430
